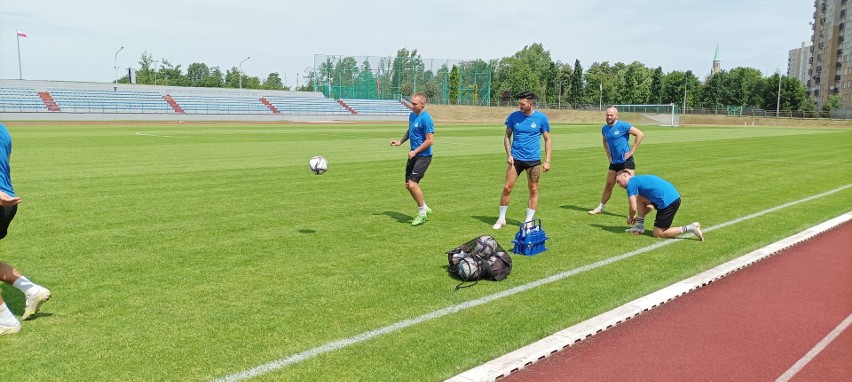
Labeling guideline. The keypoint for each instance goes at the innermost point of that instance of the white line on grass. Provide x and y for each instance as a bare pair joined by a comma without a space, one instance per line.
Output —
365,336
144,134
816,349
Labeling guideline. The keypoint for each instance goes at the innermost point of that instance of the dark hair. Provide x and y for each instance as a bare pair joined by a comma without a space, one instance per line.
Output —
526,95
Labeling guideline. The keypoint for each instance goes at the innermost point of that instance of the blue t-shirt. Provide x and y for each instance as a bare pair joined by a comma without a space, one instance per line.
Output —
418,126
657,190
526,134
617,140
5,170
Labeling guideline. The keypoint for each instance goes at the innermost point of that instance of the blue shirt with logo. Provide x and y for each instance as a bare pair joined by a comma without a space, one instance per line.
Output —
418,126
617,140
657,190
526,134
5,153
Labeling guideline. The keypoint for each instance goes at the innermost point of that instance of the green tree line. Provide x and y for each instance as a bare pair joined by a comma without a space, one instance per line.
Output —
498,80
163,72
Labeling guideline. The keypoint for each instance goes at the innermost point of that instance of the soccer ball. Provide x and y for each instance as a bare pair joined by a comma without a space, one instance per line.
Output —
318,165
485,246
468,269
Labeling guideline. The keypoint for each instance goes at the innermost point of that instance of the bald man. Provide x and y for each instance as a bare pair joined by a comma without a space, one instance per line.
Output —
616,135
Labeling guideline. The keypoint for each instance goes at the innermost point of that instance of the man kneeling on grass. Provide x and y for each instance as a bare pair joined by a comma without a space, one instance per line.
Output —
662,195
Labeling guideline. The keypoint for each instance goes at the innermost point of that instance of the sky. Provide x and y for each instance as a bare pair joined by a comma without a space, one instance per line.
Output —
77,40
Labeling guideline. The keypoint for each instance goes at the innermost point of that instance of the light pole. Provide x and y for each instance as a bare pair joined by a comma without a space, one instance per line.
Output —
115,68
778,103
154,70
241,72
685,83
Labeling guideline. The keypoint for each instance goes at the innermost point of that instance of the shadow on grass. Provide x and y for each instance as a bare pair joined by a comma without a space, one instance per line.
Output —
586,210
613,228
491,219
307,231
400,218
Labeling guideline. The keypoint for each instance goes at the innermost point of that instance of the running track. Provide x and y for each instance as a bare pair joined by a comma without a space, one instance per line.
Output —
783,318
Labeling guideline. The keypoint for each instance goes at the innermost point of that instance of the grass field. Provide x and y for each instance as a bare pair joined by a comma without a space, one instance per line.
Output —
196,251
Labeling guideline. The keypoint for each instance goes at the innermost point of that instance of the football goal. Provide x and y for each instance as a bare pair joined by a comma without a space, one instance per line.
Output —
660,115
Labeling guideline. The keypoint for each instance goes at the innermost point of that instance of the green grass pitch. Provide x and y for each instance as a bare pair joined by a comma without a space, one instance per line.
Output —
190,252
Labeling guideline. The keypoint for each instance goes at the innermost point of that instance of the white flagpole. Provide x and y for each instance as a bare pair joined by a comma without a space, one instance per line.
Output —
18,37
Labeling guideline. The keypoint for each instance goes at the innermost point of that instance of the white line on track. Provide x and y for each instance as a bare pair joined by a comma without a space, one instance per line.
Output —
369,335
816,349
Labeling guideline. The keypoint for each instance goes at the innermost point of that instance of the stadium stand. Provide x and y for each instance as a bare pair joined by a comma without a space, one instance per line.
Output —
20,100
377,107
306,105
105,101
66,100
216,104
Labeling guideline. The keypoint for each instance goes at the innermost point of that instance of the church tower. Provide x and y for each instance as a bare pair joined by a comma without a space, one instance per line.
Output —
717,62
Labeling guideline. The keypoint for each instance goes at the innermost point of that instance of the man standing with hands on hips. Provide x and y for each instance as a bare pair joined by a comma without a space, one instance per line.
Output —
616,135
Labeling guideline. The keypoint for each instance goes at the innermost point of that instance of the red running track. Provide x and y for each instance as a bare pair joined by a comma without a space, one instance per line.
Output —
753,325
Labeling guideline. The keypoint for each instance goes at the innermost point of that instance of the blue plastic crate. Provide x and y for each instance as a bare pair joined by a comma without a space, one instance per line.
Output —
530,239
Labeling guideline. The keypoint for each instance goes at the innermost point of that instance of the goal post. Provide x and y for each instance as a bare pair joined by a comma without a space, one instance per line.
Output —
659,115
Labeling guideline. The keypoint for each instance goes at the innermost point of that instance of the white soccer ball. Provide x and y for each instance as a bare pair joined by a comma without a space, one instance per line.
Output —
485,246
468,269
318,164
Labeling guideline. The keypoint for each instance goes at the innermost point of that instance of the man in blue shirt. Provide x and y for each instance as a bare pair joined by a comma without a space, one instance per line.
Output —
616,136
35,294
524,130
421,132
651,189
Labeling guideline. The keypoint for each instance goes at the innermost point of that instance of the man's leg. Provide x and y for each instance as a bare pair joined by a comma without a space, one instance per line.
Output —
607,192
511,178
642,210
533,176
35,294
694,228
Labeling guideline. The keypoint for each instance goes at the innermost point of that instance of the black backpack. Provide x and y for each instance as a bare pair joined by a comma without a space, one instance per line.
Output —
480,258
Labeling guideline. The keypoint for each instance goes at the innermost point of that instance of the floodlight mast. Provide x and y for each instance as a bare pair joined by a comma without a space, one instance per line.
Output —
115,68
241,72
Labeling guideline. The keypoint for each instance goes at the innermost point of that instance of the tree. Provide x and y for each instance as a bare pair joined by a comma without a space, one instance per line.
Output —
454,85
215,79
634,89
673,88
514,76
657,86
170,75
273,82
712,93
564,79
145,74
576,91
232,78
540,63
197,74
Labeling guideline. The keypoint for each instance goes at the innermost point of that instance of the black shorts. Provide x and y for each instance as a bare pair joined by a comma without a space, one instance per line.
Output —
416,168
628,164
521,165
6,216
665,216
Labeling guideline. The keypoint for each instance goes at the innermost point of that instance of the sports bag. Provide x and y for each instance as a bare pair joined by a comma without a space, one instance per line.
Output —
480,258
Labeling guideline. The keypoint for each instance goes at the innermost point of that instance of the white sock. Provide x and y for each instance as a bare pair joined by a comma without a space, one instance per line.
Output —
25,285
503,210
530,214
601,206
422,209
6,317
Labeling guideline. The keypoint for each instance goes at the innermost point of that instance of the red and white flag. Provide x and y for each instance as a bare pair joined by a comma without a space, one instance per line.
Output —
21,34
